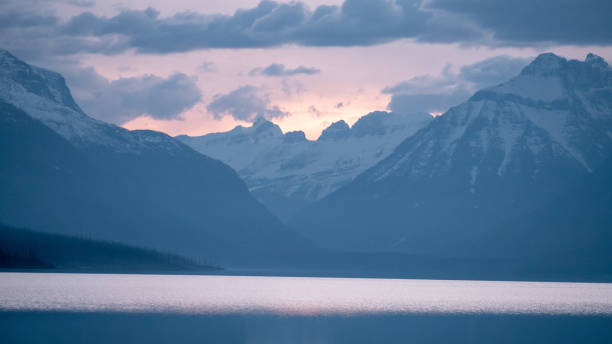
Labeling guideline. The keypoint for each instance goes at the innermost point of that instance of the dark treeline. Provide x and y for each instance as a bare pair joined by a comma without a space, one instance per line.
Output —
22,248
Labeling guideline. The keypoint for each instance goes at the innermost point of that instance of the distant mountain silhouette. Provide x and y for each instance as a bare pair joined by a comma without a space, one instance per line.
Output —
286,172
65,172
521,170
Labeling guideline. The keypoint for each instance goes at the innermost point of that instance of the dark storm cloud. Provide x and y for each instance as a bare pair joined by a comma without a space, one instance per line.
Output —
436,94
577,22
362,22
121,100
277,69
80,3
21,20
244,104
354,23
31,30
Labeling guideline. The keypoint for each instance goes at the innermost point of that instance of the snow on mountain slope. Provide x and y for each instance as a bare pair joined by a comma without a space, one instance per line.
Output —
495,158
64,172
43,94
565,104
283,168
239,146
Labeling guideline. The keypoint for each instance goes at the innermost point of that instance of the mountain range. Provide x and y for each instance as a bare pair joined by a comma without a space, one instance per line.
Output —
287,172
519,171
65,172
516,176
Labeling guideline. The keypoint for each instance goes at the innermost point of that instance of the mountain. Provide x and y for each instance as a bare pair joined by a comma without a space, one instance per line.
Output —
514,156
20,248
65,172
287,172
577,235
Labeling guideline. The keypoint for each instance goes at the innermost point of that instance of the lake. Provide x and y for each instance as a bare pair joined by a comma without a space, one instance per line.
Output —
42,307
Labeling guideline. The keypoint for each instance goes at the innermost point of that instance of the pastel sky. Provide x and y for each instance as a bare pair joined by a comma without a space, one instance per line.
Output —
194,67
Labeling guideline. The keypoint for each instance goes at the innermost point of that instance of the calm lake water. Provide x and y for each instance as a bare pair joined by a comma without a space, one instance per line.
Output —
37,307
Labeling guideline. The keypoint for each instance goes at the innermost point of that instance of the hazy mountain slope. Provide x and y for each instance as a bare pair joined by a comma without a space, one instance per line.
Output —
286,172
65,172
450,189
20,248
573,229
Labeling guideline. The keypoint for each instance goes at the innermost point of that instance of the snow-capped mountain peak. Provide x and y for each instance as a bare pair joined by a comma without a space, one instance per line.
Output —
554,109
262,128
39,81
541,80
552,78
382,123
596,61
477,174
336,131
44,95
295,137
288,171
260,131
545,64
62,171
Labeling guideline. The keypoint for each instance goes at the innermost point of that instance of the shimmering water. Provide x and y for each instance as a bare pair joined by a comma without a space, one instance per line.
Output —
181,294
90,308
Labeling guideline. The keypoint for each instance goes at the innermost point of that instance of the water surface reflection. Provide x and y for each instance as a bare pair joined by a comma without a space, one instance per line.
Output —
193,294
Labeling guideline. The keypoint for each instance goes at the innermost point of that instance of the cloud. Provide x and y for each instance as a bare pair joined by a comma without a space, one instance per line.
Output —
493,70
79,3
314,110
431,94
33,14
244,104
362,22
208,67
426,84
579,22
16,17
279,70
121,100
430,103
270,24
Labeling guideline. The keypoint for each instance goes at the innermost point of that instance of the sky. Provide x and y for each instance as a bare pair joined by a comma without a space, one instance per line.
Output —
195,67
